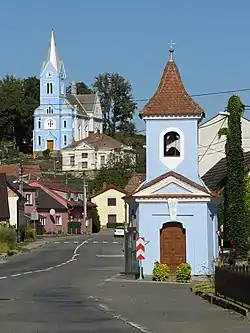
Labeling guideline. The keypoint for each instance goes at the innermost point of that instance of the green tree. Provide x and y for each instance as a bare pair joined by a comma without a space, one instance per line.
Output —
96,223
117,103
117,171
234,212
81,89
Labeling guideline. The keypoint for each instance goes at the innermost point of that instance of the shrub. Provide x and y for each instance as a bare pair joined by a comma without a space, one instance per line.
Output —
46,154
96,223
183,273
29,233
160,272
8,238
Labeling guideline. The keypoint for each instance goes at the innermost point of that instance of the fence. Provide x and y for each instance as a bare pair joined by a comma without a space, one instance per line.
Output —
233,283
131,263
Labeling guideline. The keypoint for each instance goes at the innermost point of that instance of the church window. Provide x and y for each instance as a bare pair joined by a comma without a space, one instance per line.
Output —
171,144
49,74
39,123
39,140
50,110
50,124
65,140
49,88
64,123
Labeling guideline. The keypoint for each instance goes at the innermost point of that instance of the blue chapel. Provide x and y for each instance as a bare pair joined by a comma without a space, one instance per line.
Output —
173,209
62,117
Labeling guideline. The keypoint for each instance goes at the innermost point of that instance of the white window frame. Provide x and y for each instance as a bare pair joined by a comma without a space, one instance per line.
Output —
28,202
42,220
58,219
50,124
39,123
39,140
65,124
49,88
86,165
50,110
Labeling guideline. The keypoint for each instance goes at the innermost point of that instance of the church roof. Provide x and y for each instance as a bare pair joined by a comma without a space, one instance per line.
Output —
171,97
52,55
85,102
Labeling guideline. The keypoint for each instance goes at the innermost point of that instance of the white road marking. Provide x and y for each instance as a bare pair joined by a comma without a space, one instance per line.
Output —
138,327
73,258
66,242
56,242
76,242
110,255
95,242
104,242
115,243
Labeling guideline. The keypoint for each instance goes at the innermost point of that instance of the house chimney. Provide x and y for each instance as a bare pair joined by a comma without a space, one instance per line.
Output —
104,186
73,88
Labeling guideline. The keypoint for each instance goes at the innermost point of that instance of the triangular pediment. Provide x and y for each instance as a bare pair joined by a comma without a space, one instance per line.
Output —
171,185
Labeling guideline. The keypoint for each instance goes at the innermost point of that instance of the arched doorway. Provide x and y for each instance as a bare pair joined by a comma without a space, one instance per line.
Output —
172,244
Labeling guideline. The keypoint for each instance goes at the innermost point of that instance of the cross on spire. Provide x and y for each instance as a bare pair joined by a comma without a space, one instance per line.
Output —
171,49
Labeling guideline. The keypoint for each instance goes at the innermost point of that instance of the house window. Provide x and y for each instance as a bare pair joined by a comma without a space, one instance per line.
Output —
28,199
64,123
39,123
111,201
42,220
85,165
65,140
39,140
84,155
111,218
49,88
72,161
50,110
58,220
171,144
102,159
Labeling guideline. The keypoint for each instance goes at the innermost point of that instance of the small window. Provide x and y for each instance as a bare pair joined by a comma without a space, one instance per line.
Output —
65,140
64,123
102,159
84,155
111,201
49,74
49,86
85,165
58,220
50,123
42,220
39,124
171,144
28,199
111,218
50,110
72,161
39,140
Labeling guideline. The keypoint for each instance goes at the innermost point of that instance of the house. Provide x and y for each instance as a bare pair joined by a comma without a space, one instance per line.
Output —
134,182
173,209
211,147
16,205
29,194
4,207
93,152
215,178
62,117
111,207
57,208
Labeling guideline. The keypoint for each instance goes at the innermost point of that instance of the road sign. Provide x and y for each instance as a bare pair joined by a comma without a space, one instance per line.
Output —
140,248
34,215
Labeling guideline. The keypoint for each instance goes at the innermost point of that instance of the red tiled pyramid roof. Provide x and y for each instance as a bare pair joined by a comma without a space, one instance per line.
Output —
171,97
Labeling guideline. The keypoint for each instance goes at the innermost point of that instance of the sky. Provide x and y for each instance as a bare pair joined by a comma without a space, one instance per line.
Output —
131,37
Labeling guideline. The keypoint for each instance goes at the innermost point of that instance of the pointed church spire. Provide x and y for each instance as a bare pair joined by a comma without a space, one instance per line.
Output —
52,53
171,97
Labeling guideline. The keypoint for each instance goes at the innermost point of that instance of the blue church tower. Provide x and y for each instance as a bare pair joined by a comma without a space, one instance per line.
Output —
60,118
173,209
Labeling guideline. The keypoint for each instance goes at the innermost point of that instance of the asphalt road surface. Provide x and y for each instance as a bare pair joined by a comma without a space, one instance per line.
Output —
73,286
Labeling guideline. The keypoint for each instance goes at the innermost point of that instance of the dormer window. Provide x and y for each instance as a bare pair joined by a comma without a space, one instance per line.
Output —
171,144
50,110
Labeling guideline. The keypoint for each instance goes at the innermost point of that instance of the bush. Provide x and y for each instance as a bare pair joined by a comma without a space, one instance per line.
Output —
8,238
29,233
96,223
161,272
183,273
46,154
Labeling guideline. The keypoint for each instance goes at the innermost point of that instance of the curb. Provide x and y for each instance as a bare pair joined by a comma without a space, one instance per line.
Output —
223,303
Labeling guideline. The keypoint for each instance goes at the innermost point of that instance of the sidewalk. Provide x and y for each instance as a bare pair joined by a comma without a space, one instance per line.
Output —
167,308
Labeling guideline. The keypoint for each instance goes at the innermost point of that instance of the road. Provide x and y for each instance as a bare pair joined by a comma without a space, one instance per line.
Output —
72,286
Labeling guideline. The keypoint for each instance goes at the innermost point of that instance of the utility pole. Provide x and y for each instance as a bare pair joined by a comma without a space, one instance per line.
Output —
85,204
20,177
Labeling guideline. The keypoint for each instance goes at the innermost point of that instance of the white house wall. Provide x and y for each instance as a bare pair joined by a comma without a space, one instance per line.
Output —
13,210
211,148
